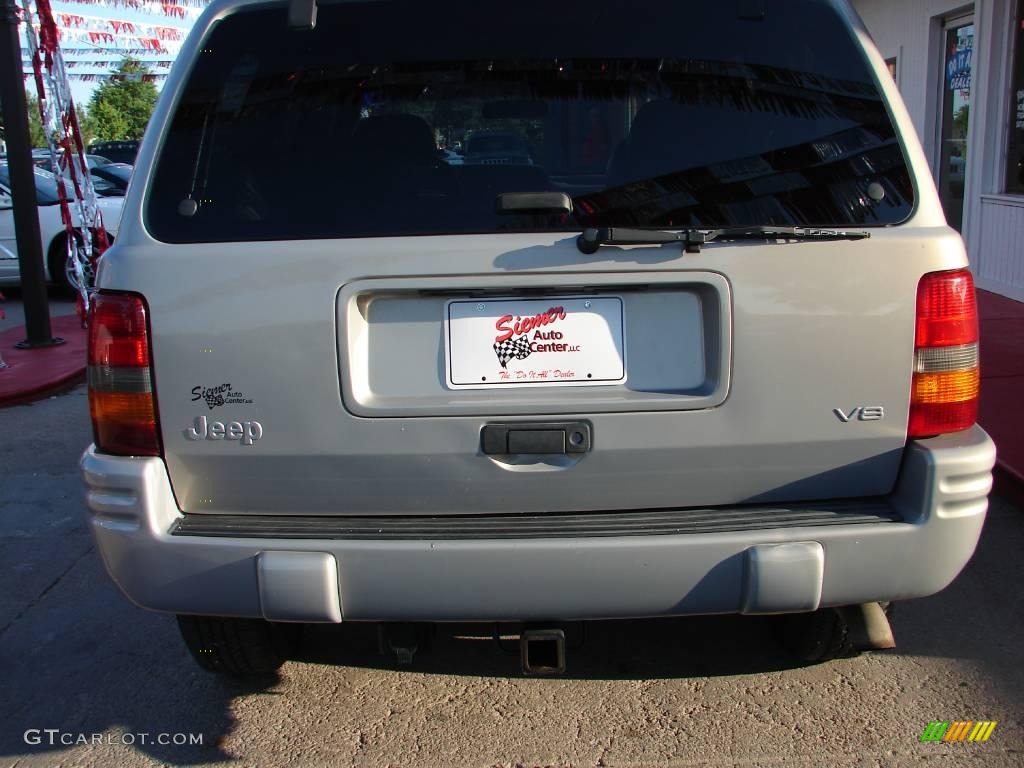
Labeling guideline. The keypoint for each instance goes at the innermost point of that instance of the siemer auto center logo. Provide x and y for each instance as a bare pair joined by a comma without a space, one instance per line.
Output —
221,394
520,337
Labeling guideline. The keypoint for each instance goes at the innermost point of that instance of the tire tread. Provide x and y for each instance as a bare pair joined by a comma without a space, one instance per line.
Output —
235,647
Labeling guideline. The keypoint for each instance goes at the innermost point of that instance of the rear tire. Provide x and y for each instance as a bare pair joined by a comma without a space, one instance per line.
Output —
818,637
241,648
57,262
823,635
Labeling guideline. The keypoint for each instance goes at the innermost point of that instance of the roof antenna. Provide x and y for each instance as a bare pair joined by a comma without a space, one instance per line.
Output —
750,10
301,14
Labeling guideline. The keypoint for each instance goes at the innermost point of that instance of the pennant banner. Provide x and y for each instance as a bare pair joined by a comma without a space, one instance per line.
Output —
179,9
99,24
117,40
104,41
81,64
119,52
99,78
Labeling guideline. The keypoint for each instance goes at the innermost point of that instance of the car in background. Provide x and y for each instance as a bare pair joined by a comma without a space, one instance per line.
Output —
497,148
117,151
54,236
449,157
41,159
111,180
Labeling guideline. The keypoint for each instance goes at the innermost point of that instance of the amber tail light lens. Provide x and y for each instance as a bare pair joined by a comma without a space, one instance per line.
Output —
947,380
121,397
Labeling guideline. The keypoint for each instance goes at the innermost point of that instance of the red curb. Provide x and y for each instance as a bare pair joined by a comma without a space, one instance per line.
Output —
1008,484
32,374
1002,380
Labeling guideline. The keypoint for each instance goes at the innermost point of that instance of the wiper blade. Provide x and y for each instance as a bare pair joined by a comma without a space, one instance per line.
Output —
692,239
783,233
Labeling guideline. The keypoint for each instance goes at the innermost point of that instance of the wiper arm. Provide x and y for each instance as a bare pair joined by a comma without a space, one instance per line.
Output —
692,239
592,239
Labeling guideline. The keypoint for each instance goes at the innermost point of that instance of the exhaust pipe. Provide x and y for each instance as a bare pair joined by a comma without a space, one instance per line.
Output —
542,652
869,627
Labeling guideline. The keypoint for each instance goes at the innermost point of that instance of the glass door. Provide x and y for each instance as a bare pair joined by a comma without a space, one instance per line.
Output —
956,114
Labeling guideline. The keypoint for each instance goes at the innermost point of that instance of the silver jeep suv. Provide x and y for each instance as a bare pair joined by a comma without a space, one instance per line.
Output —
712,350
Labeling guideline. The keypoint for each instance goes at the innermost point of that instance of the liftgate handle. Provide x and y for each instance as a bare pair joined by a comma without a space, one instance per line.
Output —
562,438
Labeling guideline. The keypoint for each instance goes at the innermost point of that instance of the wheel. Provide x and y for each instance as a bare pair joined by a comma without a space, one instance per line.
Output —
62,270
818,637
827,634
237,647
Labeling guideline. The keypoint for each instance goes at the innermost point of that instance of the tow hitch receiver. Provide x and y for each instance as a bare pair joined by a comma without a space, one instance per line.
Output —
542,651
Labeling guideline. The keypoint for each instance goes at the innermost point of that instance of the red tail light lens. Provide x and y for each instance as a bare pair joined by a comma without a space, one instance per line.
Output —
944,396
947,310
121,398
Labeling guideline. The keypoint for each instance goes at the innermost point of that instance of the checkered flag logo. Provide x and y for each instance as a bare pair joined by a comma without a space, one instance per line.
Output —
506,350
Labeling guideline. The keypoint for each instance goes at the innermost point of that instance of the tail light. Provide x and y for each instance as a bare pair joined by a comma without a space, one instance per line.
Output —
121,397
944,396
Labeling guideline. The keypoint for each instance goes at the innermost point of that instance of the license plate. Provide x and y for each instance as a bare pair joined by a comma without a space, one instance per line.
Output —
535,342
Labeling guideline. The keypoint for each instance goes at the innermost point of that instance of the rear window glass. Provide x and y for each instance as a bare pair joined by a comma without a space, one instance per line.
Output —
402,118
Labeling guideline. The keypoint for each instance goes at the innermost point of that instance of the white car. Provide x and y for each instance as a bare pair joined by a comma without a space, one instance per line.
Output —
50,225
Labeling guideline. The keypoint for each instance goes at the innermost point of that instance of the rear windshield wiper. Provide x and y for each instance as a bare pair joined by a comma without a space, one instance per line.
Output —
692,239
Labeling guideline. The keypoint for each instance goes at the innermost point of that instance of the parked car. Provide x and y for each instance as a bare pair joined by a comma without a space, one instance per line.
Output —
117,151
41,159
54,237
732,370
111,180
449,157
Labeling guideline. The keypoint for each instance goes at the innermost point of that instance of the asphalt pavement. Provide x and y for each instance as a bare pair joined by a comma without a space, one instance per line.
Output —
86,678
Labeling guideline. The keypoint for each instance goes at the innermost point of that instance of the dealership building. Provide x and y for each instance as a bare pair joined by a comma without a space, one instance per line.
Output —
960,69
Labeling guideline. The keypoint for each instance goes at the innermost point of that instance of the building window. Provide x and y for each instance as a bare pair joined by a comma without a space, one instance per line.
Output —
1015,171
891,64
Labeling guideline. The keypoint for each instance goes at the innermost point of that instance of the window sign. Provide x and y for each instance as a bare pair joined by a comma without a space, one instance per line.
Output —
958,66
956,116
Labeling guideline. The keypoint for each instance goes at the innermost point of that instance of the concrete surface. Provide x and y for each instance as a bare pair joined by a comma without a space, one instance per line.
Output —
76,656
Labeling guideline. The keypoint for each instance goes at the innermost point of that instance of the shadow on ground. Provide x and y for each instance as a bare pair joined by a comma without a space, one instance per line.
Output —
97,665
603,650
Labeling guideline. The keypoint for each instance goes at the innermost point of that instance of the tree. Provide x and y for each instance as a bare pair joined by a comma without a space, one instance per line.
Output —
120,108
35,125
960,122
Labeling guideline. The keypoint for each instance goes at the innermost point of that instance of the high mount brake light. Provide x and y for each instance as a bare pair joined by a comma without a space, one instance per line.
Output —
944,395
121,398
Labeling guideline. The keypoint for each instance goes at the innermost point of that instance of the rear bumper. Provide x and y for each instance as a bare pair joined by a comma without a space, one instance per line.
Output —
940,502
